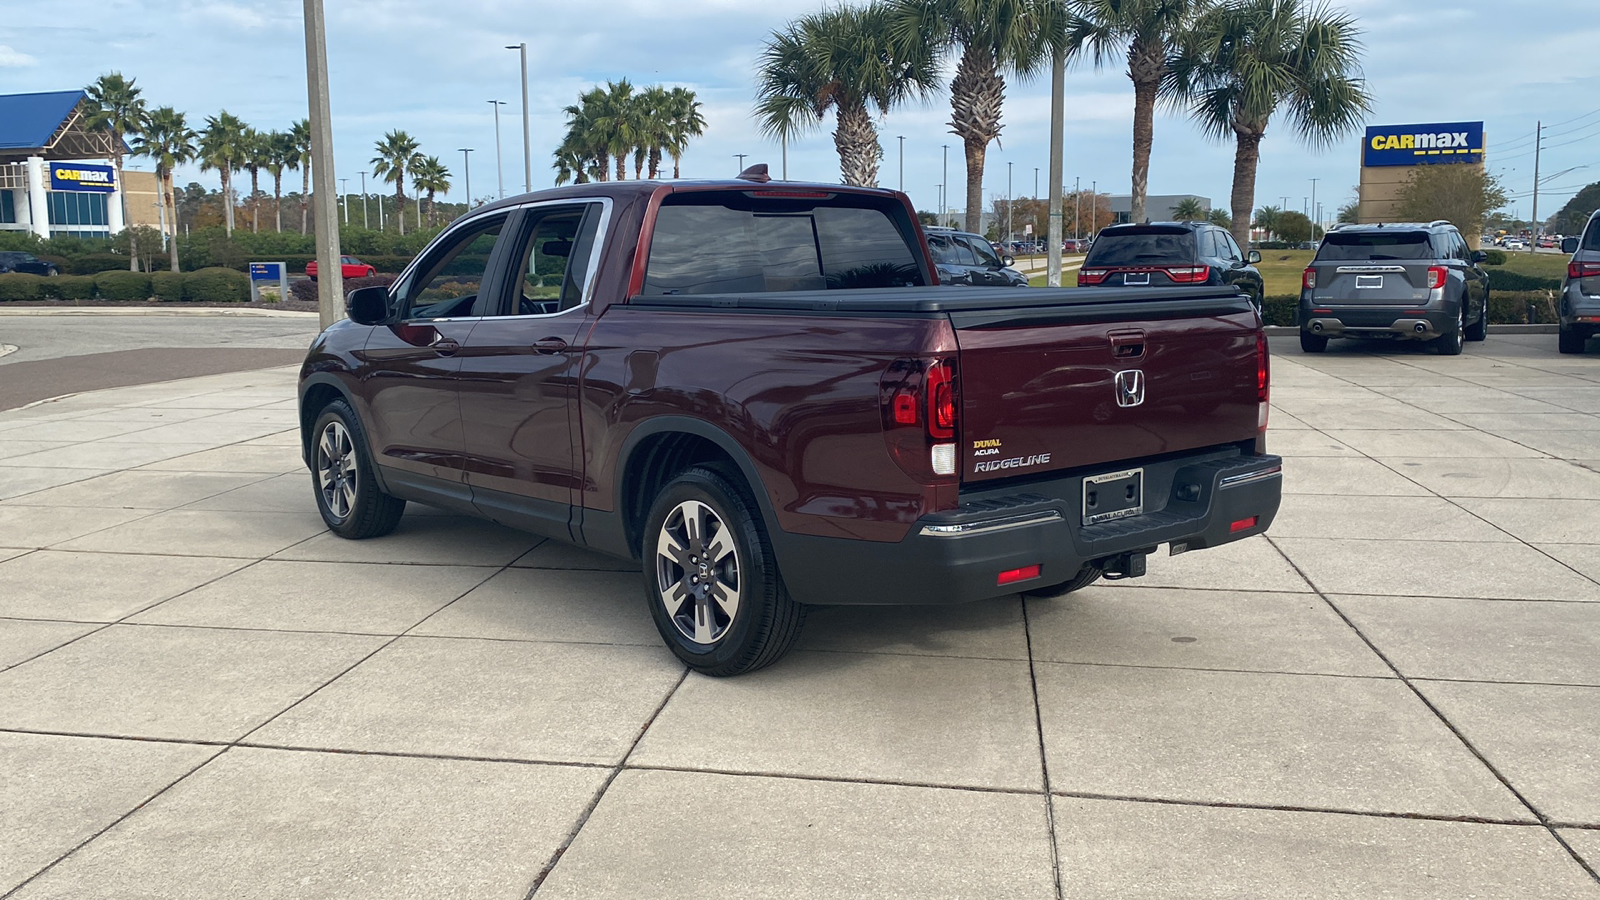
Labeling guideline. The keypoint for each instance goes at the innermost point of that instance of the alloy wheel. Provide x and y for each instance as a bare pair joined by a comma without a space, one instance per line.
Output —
336,469
697,572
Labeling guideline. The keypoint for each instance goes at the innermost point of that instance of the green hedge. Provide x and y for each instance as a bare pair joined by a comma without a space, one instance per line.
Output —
71,287
216,285
1280,310
1503,280
19,287
1506,308
167,285
1494,257
124,286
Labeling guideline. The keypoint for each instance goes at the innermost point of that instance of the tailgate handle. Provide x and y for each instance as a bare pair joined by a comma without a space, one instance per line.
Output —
1127,344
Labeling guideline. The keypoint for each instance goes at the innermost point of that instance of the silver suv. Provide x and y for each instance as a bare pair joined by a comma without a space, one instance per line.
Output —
1580,293
1416,282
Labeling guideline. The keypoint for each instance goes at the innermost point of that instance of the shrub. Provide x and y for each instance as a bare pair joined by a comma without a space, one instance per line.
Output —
1494,257
216,285
133,286
70,287
95,263
167,285
1280,310
18,287
305,290
1513,308
1504,280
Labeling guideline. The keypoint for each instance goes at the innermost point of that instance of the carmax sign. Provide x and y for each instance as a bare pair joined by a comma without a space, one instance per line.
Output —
79,177
1420,145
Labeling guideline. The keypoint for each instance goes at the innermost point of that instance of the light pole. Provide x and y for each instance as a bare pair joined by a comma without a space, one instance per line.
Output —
344,195
741,157
1077,208
499,168
365,222
527,152
902,162
1312,207
1010,202
1033,208
1058,139
466,172
944,195
330,288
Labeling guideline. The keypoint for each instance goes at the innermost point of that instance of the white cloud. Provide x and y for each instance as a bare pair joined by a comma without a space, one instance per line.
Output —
14,58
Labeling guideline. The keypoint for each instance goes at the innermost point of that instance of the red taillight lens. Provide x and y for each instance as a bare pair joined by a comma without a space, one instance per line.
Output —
922,417
1263,368
1308,278
1583,270
1436,277
1092,276
941,402
1189,274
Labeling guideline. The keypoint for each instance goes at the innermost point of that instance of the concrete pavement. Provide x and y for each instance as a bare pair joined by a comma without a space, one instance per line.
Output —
204,694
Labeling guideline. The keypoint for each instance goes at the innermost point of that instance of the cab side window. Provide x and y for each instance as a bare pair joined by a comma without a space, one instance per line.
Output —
1230,246
553,264
445,285
983,251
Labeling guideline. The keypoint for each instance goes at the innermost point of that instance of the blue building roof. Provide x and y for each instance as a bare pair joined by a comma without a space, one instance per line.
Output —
27,121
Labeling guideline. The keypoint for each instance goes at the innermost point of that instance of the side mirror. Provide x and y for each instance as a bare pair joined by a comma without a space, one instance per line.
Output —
1569,245
1253,257
1479,256
368,305
1008,260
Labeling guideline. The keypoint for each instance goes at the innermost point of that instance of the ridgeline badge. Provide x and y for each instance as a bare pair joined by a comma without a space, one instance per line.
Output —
1422,145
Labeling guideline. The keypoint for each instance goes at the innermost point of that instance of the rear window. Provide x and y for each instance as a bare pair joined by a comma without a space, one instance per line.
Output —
733,243
1591,238
1143,247
1338,247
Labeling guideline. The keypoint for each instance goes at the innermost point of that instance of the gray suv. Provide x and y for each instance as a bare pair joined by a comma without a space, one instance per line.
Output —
1416,282
1580,293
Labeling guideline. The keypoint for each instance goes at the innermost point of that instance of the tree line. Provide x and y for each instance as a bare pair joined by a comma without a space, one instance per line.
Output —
1232,65
610,125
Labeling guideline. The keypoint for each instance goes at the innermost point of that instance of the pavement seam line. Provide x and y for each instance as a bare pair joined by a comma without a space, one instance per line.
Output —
605,786
1044,757
1316,810
1543,820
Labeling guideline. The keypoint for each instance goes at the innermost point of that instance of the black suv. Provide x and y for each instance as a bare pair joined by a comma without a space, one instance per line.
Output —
1415,281
1166,254
1580,293
965,258
18,261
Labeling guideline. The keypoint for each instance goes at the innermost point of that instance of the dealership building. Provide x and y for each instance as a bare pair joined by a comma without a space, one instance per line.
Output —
55,180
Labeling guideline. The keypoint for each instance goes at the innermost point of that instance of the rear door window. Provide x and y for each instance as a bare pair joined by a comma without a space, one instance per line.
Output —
984,251
948,251
1367,245
1591,238
1143,247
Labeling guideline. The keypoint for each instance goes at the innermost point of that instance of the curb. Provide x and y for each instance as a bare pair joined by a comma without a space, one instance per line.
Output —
1289,330
154,311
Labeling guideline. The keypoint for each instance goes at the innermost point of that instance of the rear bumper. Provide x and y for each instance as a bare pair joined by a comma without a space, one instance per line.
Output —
1405,323
1580,310
957,556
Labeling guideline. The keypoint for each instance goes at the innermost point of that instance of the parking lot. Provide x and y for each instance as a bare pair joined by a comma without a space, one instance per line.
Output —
1396,692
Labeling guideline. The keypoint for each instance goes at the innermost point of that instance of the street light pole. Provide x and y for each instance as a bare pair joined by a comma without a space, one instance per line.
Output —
527,152
466,172
1313,208
499,168
365,222
944,204
1011,201
902,162
1077,208
330,284
741,157
344,195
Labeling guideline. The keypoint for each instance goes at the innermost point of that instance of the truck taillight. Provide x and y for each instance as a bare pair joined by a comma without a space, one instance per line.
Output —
1583,270
941,401
1092,276
922,417
1189,274
1308,279
1436,277
1263,380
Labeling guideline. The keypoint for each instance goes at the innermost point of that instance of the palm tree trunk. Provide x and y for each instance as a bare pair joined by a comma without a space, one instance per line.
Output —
400,203
1246,156
675,160
638,165
604,167
856,139
977,95
1146,66
277,199
255,201
227,198
172,204
122,198
305,192
655,162
622,166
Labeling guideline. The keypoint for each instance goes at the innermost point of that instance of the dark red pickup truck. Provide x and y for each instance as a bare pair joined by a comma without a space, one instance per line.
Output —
760,392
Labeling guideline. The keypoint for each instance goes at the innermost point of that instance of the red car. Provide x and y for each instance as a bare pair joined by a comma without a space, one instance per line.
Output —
352,267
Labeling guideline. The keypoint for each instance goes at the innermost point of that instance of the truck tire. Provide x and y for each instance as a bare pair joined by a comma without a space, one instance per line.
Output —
348,496
1089,574
1571,340
1451,342
1312,343
704,545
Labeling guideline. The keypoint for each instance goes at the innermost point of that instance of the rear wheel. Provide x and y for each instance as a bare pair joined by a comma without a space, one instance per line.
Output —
347,491
1313,343
1571,340
1479,330
711,579
1451,342
1089,574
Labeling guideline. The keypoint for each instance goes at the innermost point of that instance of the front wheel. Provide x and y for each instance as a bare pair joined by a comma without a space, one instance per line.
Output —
711,579
347,492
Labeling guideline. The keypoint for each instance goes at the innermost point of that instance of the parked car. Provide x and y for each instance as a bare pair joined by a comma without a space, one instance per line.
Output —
18,261
349,265
1417,282
800,417
1169,254
1511,242
963,258
1074,245
1580,291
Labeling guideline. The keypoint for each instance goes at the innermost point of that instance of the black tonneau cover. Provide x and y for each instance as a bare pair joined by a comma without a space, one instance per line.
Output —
1200,300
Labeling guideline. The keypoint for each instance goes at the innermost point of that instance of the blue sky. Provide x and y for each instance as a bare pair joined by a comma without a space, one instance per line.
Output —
429,68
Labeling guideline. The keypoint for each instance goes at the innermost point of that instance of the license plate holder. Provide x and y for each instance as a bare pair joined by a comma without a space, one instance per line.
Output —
1131,278
1113,495
1369,281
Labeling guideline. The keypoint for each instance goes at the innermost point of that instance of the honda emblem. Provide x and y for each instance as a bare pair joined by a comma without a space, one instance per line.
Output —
1130,387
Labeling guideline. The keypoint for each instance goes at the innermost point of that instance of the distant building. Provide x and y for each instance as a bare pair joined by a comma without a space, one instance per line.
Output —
1157,207
55,177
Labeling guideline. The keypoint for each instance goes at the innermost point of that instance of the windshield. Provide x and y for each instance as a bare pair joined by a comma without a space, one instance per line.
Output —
1338,247
1142,248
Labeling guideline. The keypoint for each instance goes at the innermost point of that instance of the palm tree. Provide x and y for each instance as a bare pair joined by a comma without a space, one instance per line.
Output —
169,141
1267,219
1249,57
1189,209
221,148
655,121
686,122
300,139
842,59
617,123
113,107
396,153
572,162
994,38
1220,218
1144,32
255,156
584,140
430,175
281,154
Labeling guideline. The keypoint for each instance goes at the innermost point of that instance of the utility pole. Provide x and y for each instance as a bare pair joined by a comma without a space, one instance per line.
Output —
527,152
466,172
1313,208
902,163
499,169
344,194
365,222
1011,202
945,193
1058,82
741,160
330,281
1538,144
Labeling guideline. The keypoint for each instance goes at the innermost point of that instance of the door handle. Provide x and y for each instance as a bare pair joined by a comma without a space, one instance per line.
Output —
549,345
445,346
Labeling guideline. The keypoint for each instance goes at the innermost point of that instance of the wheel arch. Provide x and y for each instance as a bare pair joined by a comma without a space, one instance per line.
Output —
316,392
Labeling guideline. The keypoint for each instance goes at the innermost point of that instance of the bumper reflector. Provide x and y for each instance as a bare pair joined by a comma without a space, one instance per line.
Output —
1244,524
1012,576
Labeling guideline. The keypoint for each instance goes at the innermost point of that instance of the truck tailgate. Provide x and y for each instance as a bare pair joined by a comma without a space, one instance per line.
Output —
1079,386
